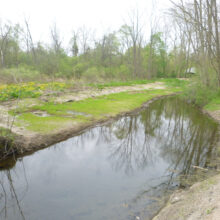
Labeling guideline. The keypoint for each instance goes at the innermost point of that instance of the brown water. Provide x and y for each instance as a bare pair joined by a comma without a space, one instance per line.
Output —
119,171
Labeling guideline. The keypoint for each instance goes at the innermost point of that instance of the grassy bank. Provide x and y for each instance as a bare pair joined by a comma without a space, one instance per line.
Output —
37,89
43,116
60,115
35,114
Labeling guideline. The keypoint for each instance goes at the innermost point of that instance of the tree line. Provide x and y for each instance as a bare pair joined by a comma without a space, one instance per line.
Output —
197,25
190,39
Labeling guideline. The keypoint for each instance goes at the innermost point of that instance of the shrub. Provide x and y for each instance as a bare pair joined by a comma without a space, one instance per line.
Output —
20,74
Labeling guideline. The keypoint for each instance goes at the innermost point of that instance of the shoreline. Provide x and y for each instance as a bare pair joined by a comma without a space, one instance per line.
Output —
201,201
28,144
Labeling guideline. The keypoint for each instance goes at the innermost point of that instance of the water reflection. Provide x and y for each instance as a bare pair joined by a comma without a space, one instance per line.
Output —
117,171
176,131
9,198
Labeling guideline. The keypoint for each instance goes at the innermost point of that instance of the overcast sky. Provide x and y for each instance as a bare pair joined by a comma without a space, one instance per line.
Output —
102,15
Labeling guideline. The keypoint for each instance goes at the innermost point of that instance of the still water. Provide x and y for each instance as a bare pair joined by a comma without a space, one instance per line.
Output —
119,171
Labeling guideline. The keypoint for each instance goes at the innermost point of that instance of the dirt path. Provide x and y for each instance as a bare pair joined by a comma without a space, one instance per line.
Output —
106,91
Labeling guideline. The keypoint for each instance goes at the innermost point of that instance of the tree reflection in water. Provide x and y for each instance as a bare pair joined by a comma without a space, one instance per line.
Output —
169,130
8,195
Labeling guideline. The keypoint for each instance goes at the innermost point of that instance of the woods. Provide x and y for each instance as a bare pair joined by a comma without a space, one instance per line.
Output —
198,24
127,53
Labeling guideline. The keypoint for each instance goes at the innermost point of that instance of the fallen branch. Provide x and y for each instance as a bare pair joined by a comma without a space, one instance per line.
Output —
201,168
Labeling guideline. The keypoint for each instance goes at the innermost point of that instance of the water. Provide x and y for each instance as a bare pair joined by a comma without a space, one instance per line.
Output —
119,171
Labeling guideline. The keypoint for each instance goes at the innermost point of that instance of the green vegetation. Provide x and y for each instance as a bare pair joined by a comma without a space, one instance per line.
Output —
111,58
8,138
203,96
122,57
88,110
5,133
175,83
213,105
120,83
171,82
45,124
29,90
34,89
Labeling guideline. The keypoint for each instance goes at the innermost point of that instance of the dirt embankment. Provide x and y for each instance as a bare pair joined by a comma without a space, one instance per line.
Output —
200,202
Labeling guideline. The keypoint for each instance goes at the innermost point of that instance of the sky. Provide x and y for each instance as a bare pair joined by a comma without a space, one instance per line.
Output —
101,15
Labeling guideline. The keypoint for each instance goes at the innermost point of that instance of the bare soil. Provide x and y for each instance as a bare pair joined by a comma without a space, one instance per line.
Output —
199,202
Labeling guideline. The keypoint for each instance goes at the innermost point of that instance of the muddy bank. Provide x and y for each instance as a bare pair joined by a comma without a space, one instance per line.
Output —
201,201
28,142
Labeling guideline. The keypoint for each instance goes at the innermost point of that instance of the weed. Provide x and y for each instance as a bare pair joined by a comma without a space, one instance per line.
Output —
28,90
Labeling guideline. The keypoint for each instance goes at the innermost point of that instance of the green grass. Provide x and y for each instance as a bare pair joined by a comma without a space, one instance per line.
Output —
62,115
206,97
213,105
170,82
94,109
125,83
45,124
7,134
173,82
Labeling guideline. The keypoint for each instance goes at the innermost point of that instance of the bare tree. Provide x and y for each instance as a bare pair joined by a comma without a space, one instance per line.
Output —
85,35
201,21
5,31
74,44
55,37
132,34
153,30
29,40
